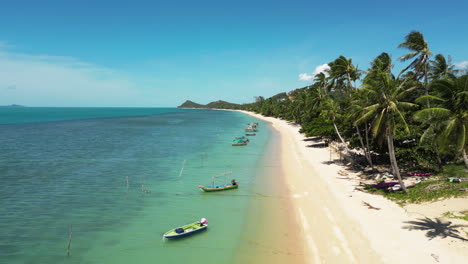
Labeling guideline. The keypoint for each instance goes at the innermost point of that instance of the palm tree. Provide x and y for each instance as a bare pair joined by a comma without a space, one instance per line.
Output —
321,80
419,48
359,101
342,72
298,103
448,119
331,111
440,68
382,63
385,110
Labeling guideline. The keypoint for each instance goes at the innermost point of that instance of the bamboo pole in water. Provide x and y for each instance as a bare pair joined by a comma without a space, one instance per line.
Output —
181,170
70,234
203,154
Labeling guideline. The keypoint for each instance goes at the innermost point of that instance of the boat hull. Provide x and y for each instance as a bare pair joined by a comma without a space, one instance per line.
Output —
239,144
218,188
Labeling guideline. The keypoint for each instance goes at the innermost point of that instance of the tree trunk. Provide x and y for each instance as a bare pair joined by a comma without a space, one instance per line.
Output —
425,85
393,162
342,140
366,150
338,133
349,82
465,158
439,160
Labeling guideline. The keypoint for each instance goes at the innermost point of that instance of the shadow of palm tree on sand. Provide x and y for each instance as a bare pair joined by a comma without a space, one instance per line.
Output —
436,228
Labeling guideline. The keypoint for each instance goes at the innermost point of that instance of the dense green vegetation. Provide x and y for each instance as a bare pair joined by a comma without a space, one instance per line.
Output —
416,119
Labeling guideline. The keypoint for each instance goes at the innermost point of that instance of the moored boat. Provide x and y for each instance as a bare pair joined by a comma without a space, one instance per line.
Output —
187,230
250,129
239,142
218,188
222,187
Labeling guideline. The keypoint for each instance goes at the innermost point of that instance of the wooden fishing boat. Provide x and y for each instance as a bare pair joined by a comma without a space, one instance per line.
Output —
223,187
218,188
239,142
250,129
187,230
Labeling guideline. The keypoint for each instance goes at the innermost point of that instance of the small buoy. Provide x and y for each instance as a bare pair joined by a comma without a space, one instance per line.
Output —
147,191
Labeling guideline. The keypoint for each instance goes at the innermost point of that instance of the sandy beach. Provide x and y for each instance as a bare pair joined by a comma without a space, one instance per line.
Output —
343,225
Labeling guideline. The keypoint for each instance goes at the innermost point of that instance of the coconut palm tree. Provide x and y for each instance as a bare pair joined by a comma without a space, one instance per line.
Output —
385,111
448,119
440,68
419,48
382,63
342,73
321,80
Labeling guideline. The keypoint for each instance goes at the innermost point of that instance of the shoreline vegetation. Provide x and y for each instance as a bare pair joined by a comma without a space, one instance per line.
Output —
352,132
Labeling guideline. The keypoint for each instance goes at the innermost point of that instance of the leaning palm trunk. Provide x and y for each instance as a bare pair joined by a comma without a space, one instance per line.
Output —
465,158
393,162
338,133
341,138
366,150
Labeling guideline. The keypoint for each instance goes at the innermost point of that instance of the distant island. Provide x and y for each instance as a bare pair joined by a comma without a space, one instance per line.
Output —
13,105
217,104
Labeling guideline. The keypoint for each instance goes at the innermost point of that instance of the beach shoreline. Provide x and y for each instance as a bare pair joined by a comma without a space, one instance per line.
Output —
271,232
339,228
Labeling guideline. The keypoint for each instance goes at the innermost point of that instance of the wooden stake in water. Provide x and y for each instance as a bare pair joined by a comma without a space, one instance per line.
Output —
70,234
202,156
181,170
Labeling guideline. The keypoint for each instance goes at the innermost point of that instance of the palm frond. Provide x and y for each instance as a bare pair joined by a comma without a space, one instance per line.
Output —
370,111
431,98
402,120
408,56
428,135
431,114
378,122
407,106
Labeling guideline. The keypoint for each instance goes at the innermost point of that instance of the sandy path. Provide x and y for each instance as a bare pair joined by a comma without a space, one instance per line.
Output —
337,227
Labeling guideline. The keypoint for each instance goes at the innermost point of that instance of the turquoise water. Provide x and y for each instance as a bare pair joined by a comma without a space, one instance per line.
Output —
15,115
74,172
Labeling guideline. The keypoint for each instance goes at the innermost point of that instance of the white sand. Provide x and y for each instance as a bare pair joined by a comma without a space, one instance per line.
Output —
338,228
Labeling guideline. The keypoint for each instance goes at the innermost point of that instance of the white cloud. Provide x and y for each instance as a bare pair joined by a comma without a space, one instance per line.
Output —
462,65
318,69
321,68
43,80
305,77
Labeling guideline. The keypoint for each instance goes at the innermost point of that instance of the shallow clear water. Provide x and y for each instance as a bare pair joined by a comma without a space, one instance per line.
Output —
74,172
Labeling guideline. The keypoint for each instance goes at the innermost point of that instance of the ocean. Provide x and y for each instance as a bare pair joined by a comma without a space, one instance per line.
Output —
118,178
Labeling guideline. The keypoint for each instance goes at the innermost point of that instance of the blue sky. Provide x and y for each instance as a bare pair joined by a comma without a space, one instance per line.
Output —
154,53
